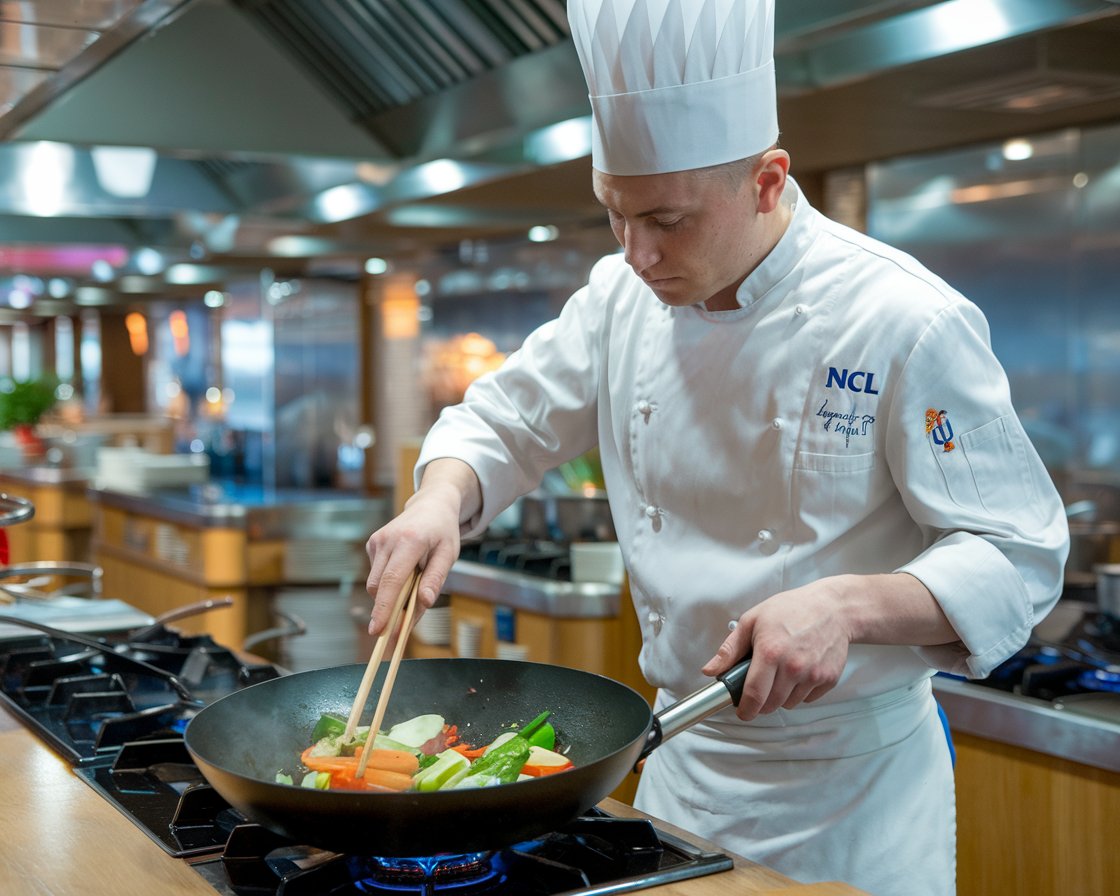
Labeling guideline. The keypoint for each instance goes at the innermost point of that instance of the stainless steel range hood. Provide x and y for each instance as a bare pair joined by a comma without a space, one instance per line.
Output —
259,107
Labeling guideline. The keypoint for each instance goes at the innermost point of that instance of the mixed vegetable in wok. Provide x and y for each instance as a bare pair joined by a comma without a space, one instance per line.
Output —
425,754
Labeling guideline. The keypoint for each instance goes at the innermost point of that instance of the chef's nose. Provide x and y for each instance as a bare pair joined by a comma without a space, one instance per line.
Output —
640,249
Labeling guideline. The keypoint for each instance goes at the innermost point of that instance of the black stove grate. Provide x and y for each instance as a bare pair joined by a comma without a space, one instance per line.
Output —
595,854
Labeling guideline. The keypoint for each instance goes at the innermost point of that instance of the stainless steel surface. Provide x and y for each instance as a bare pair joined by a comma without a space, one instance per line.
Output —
693,709
578,600
38,572
1034,724
380,88
266,515
566,518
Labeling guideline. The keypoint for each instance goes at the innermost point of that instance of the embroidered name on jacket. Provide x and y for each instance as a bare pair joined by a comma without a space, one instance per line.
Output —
846,423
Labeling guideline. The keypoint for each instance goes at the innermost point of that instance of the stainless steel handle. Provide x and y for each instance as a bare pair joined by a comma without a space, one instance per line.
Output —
727,690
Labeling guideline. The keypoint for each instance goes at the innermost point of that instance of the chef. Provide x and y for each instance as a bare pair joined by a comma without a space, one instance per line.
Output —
811,457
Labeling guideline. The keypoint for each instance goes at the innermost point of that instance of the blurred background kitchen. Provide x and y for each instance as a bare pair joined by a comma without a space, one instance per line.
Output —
250,248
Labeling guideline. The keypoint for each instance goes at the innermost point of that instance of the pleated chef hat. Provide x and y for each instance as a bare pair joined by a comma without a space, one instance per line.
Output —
676,84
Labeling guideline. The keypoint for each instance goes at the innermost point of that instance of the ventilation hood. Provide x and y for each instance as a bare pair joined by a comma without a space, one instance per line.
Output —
288,130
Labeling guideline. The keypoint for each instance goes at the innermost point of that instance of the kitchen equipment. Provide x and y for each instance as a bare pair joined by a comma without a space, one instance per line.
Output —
1091,543
1108,589
241,741
567,517
597,561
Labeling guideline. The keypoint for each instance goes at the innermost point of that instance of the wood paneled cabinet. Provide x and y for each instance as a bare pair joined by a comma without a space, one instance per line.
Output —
62,525
1033,825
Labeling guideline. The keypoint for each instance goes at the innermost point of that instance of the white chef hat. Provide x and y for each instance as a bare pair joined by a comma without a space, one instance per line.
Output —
676,84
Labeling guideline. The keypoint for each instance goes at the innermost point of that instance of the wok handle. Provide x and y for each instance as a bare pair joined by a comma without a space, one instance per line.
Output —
725,691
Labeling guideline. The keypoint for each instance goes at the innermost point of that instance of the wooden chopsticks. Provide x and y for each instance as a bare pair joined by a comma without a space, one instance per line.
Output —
406,600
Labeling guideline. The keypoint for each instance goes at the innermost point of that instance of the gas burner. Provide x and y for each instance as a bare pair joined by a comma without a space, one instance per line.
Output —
88,699
596,853
470,873
536,557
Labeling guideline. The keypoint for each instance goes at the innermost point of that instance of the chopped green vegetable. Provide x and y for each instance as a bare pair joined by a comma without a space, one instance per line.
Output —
281,778
329,725
544,737
316,781
444,767
504,762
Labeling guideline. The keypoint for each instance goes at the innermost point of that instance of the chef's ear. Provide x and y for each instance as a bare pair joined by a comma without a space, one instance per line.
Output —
770,178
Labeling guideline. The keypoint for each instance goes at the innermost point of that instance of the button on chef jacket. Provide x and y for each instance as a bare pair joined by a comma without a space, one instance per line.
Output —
849,417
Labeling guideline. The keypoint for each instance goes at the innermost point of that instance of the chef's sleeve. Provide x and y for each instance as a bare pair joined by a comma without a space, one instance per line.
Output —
535,412
972,480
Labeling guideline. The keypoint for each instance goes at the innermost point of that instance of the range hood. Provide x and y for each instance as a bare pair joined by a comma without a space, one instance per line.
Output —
296,129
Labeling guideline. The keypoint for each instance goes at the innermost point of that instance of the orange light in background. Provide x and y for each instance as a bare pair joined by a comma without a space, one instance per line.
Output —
180,332
400,307
137,327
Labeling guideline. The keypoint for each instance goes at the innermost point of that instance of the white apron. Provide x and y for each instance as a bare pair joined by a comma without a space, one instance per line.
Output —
819,793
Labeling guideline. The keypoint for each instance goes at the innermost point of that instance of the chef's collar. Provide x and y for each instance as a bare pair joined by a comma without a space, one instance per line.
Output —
790,247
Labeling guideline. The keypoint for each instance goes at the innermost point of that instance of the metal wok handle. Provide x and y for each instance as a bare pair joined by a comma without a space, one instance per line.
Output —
726,690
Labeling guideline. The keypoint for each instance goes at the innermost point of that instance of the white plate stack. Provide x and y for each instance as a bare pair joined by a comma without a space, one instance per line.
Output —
324,561
597,561
434,627
331,638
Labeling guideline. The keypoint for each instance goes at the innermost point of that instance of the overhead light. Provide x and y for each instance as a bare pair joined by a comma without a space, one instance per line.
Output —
101,270
148,261
184,274
376,266
342,203
543,233
45,177
124,171
441,176
214,298
561,142
1018,150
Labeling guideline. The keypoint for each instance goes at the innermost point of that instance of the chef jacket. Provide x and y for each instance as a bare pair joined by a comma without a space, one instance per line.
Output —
849,417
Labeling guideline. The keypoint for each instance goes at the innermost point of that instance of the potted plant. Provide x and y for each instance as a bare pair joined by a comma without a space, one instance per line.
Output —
22,405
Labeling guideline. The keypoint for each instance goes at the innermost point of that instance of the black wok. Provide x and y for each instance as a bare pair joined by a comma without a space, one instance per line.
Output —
242,740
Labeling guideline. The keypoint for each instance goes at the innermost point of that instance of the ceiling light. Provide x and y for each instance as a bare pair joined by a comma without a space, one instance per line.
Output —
184,274
124,171
101,270
561,142
442,176
1018,150
543,233
214,298
376,266
148,261
341,203
45,177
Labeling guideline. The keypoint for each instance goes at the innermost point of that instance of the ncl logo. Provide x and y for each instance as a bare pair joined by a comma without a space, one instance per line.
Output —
856,381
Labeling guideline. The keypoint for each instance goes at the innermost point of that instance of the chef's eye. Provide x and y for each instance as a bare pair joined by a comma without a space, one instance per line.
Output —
669,223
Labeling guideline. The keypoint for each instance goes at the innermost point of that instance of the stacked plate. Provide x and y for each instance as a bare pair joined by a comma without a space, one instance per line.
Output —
434,627
321,560
331,638
597,561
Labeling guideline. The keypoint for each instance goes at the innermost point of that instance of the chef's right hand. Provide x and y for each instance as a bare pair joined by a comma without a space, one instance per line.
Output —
424,535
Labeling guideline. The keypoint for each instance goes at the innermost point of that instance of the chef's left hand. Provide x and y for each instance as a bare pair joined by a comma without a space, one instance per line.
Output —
798,643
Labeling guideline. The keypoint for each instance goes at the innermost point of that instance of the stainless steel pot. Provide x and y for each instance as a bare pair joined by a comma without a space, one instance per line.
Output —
1108,589
1091,544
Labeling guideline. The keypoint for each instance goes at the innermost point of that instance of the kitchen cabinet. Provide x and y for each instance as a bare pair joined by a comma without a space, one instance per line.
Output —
1033,824
168,549
62,525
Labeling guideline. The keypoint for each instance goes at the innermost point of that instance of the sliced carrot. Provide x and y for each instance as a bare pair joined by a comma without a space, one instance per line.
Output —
539,771
470,752
374,779
385,760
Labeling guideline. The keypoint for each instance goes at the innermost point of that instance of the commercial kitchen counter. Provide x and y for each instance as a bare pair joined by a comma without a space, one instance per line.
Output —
60,837
168,548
